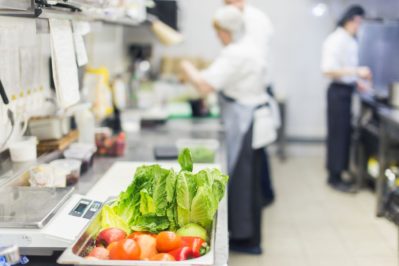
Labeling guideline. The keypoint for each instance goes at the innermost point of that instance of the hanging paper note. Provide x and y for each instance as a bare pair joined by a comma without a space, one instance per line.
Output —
65,71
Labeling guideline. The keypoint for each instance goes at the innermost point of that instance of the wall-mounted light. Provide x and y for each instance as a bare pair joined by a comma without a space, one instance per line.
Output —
319,9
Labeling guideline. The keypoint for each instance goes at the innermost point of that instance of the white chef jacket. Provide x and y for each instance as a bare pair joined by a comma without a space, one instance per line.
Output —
340,50
239,72
260,30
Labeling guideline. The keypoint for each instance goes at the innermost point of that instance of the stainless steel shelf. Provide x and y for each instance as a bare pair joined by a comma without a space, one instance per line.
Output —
27,8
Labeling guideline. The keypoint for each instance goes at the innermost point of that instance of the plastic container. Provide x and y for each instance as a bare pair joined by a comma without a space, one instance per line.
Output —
24,150
68,168
42,176
85,121
202,150
51,127
81,152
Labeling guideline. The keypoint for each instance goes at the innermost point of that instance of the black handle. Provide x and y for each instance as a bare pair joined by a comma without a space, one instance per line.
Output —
3,94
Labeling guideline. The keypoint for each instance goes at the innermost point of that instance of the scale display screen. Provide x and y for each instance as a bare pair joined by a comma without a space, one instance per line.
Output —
81,207
86,208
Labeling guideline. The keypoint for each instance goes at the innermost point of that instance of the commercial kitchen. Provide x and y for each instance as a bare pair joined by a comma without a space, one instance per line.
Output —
187,132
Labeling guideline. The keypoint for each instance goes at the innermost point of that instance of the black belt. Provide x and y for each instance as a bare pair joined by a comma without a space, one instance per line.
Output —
343,85
232,100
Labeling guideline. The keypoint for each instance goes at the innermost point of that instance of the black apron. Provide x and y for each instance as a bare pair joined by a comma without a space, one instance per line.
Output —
339,108
245,170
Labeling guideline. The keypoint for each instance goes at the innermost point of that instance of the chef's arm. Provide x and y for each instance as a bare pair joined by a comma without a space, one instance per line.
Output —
361,72
193,76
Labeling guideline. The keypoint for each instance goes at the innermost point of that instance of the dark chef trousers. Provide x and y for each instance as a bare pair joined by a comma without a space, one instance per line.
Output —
266,179
245,196
339,107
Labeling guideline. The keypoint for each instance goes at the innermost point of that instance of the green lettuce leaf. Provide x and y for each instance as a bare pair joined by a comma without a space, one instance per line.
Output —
182,199
153,224
204,207
110,219
185,160
171,187
146,203
160,191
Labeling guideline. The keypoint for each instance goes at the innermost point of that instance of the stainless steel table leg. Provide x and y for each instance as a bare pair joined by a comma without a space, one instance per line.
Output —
383,160
361,172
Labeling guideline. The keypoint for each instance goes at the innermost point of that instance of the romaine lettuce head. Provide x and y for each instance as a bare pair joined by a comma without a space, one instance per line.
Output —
159,199
145,200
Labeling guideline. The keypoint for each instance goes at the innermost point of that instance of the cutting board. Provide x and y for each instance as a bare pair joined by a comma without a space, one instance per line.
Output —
59,144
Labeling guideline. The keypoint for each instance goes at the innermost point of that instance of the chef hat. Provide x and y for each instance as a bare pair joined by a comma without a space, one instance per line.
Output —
230,18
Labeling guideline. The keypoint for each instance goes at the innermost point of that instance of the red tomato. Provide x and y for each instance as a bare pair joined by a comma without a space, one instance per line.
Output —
167,241
126,249
163,257
99,253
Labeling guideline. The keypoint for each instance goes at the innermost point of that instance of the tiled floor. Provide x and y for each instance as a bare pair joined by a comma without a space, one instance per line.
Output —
312,225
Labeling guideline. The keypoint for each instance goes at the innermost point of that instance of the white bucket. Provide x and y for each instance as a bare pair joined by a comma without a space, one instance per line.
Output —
24,150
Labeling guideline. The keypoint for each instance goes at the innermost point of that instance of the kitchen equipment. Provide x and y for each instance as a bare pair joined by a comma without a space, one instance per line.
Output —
68,169
43,220
50,127
199,108
116,180
202,150
394,94
82,152
24,150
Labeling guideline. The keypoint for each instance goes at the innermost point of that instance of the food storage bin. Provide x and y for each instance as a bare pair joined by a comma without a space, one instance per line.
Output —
67,167
24,150
202,150
82,152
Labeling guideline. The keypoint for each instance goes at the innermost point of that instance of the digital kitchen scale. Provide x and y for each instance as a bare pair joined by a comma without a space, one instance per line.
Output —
43,220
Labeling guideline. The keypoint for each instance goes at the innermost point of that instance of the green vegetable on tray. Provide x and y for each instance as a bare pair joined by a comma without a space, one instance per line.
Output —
202,155
161,199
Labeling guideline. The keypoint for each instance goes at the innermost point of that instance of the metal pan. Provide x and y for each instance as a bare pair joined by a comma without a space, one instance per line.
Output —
74,254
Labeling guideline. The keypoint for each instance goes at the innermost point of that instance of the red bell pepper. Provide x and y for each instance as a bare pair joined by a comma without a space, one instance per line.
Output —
196,244
183,253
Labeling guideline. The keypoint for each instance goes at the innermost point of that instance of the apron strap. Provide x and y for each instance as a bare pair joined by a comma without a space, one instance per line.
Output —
232,100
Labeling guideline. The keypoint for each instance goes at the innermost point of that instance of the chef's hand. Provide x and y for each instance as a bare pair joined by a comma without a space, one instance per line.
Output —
363,86
184,65
364,73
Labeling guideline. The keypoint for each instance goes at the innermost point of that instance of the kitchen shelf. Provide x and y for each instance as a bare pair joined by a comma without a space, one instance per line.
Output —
74,12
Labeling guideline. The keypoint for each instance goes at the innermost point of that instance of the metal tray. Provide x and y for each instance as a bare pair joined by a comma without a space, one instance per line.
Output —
73,254
28,207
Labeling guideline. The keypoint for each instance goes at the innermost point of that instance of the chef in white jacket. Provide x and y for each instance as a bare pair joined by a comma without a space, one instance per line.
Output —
340,63
260,30
237,75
